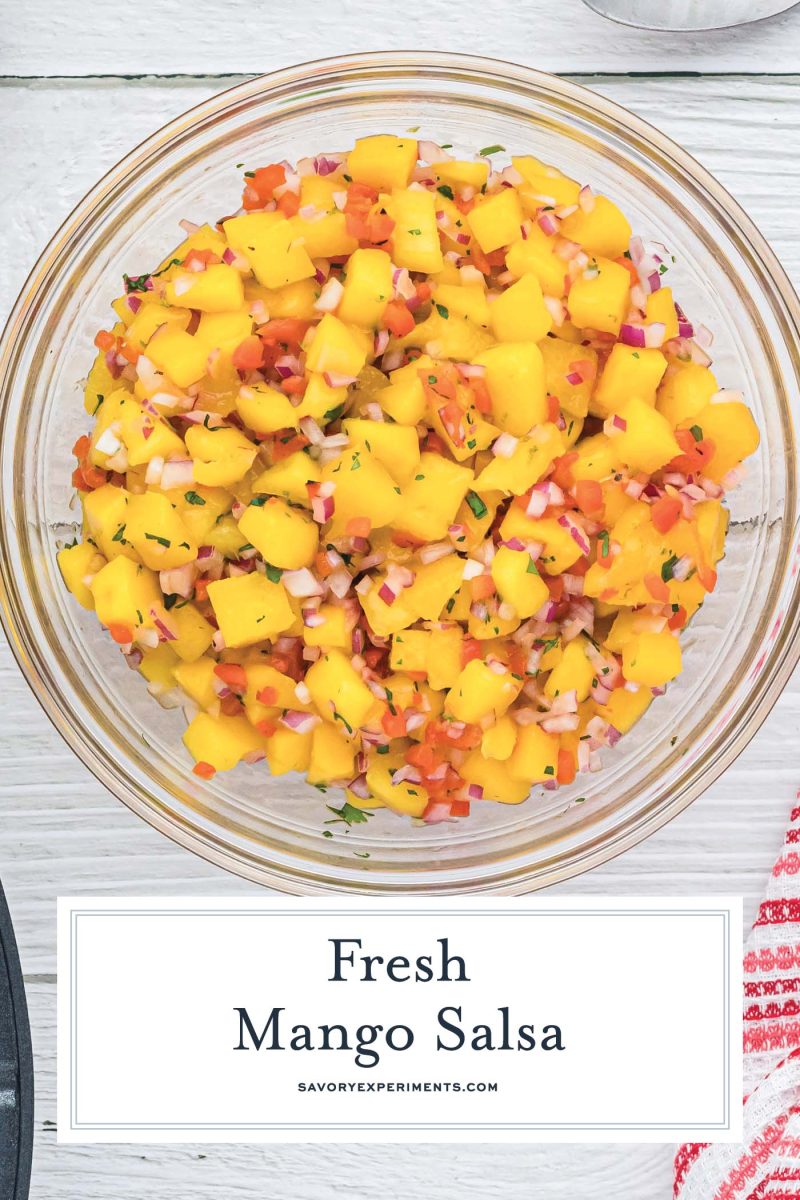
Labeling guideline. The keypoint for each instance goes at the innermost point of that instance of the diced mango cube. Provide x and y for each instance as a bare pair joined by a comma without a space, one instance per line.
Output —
415,237
604,229
515,379
496,220
335,349
518,582
217,289
519,313
599,298
338,691
249,608
221,741
367,288
283,536
535,755
481,691
383,161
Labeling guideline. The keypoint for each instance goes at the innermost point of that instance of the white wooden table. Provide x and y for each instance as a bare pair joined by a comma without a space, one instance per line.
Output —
81,84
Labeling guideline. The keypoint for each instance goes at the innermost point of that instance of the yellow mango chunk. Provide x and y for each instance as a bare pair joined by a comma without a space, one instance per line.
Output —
535,755
480,691
249,608
628,372
660,308
518,582
685,390
126,594
217,289
624,708
560,548
415,237
76,563
283,536
335,349
221,456
534,254
431,499
194,632
574,672
363,488
338,691
648,441
461,174
496,220
288,751
531,459
178,355
444,662
396,447
499,740
367,288
271,246
289,477
332,755
603,230
465,300
196,679
383,161
495,779
334,630
157,533
652,658
599,298
105,512
515,379
404,797
519,313
730,426
221,741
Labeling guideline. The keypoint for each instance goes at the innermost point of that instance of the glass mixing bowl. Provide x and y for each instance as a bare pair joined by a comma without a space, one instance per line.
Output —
738,652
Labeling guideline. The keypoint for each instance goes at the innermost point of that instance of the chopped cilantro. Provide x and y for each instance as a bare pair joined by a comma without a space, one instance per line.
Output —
446,190
349,814
476,504
603,538
273,573
668,567
531,567
696,432
119,536
337,716
258,501
154,537
193,498
549,770
490,150
96,408
443,312
334,413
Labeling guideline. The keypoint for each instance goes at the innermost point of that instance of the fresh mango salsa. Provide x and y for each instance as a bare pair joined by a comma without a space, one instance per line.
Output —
407,474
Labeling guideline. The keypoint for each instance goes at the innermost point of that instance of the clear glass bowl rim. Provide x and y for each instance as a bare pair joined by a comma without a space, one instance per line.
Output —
783,650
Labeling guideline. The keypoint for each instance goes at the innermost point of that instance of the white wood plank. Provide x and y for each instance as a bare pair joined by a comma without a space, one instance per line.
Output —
60,38
60,831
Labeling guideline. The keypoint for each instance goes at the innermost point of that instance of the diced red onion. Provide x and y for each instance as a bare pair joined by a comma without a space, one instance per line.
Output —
300,722
505,445
575,532
301,583
632,335
329,298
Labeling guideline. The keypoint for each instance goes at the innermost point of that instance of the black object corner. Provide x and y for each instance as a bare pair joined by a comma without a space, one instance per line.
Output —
16,1069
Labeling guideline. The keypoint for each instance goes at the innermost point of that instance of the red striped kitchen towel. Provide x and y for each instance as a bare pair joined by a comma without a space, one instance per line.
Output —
766,1165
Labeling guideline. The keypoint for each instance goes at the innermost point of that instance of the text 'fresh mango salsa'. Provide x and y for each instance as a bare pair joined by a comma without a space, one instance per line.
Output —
406,476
